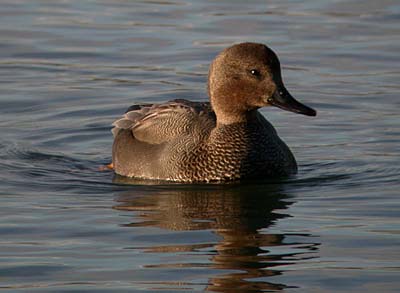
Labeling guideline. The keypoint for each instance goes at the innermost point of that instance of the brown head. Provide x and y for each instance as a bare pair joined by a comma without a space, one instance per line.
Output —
245,77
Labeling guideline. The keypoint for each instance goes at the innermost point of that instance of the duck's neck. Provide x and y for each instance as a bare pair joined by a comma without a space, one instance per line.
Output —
224,118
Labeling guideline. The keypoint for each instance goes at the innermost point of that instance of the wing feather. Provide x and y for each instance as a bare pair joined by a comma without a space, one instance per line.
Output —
159,123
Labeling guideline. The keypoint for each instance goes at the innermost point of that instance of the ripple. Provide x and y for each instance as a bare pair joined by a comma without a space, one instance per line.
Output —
69,68
25,166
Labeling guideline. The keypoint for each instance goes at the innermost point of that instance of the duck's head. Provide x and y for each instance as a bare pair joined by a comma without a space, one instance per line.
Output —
245,77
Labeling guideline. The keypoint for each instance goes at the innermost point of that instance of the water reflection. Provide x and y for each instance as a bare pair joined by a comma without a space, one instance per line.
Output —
239,214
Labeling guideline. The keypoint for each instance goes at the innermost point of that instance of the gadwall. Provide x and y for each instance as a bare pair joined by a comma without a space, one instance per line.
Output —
224,140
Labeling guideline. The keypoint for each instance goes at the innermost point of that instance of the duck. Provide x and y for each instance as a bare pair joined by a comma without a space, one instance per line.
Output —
226,139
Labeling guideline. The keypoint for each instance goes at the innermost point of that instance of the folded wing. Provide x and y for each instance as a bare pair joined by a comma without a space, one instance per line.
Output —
159,123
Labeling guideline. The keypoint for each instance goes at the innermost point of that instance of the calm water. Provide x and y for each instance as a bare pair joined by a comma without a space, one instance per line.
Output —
69,68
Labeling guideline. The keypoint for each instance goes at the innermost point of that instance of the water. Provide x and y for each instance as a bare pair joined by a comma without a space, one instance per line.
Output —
69,68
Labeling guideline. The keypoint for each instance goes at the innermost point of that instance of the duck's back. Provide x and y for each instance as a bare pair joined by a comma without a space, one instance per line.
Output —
152,140
181,141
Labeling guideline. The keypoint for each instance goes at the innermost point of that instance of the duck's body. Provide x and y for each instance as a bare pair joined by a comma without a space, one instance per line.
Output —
188,145
201,142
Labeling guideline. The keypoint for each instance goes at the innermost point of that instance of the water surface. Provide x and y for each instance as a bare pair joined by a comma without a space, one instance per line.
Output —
69,68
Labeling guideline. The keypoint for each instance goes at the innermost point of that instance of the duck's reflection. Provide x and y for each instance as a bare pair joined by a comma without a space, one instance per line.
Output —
240,215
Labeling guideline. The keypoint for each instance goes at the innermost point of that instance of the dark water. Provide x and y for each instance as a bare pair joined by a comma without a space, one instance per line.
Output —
69,68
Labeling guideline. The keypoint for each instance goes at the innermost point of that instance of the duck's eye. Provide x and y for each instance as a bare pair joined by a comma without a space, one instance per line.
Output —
255,72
